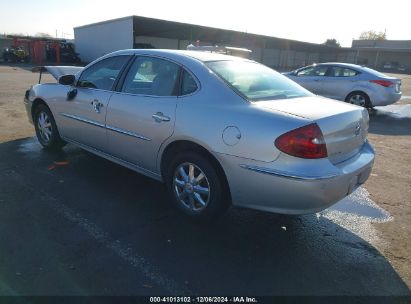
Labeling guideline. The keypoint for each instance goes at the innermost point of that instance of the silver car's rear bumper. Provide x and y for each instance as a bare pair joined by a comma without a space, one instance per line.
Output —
268,187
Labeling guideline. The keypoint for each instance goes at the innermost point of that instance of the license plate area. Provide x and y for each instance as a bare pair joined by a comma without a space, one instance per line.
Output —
398,87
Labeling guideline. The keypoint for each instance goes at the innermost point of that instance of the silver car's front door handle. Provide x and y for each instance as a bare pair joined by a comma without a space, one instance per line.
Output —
160,117
96,105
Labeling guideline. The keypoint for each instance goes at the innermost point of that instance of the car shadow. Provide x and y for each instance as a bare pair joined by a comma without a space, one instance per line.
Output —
391,120
244,253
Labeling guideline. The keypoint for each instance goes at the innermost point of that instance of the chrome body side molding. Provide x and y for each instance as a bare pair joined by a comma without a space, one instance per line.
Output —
125,132
97,124
117,160
85,120
287,174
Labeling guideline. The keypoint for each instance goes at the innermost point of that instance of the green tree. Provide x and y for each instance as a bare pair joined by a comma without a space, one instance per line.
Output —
332,42
373,35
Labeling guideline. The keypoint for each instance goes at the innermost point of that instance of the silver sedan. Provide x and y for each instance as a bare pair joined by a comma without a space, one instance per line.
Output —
217,130
352,83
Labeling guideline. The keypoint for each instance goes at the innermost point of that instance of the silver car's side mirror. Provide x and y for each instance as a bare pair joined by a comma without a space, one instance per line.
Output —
67,79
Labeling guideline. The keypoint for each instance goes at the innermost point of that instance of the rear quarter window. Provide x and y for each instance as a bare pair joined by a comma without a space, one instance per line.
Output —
188,84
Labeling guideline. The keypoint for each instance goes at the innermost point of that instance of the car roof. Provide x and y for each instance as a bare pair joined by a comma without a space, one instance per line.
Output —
198,55
362,69
342,64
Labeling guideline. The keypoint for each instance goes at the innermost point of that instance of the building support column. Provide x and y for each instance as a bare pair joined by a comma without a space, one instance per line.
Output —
262,51
376,59
287,53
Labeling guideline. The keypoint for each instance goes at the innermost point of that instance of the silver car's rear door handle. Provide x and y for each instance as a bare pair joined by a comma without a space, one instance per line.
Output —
160,117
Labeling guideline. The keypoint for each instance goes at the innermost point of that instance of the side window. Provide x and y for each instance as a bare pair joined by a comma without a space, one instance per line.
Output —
313,71
350,73
152,76
103,74
343,72
188,84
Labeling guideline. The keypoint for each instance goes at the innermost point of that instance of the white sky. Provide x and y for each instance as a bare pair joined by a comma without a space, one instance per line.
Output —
311,21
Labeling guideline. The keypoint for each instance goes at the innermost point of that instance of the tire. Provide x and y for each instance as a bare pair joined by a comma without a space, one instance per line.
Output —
200,200
360,99
46,128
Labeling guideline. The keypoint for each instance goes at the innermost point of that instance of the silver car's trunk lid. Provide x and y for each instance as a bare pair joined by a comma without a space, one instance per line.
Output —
344,126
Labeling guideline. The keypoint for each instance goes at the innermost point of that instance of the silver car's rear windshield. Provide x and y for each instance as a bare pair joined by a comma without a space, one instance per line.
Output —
255,81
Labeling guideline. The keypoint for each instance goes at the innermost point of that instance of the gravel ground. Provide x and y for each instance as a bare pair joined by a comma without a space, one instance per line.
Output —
389,185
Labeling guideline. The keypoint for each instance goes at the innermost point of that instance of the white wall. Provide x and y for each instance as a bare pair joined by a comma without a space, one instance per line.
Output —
271,57
93,41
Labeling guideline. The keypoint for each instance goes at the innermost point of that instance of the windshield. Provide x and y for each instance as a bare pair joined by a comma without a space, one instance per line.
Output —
255,81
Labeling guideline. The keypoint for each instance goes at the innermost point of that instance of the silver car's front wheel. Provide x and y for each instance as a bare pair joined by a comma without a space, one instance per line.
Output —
191,187
197,185
46,128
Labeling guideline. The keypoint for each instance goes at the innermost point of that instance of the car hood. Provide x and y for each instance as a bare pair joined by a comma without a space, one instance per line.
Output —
313,107
58,71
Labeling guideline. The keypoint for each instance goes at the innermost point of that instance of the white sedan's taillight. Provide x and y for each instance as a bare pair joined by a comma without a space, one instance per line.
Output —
384,83
304,142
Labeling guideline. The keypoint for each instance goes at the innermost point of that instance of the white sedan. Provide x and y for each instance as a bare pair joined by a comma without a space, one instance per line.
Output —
352,83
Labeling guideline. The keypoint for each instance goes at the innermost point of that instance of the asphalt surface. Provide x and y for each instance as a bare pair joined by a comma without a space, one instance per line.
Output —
72,223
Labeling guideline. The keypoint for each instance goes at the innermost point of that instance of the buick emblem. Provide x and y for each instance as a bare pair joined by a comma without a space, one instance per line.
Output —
357,129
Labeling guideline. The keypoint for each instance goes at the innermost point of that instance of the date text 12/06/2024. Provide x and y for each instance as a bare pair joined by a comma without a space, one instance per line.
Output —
203,300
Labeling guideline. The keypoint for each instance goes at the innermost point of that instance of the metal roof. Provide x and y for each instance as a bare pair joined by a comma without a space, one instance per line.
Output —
145,26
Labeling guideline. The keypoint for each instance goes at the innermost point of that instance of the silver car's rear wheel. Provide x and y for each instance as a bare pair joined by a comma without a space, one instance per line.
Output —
191,187
197,185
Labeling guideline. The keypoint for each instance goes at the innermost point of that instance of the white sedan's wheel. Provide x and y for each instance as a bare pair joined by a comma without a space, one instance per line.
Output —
360,99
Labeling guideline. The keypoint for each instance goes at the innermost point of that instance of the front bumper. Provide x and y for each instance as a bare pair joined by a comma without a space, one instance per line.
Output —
27,105
285,187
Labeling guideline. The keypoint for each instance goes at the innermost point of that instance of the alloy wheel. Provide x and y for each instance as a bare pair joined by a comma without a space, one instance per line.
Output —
44,126
191,187
358,100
